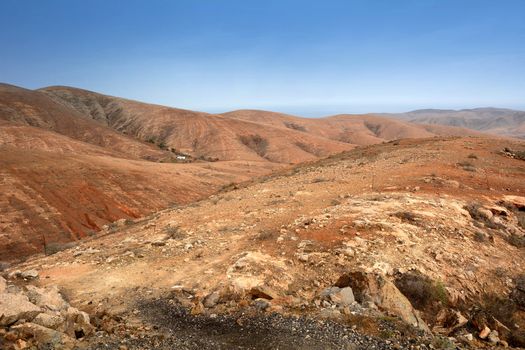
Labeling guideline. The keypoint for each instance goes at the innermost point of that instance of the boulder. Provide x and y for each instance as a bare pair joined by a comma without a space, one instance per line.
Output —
263,292
485,213
45,338
368,287
29,274
484,333
14,307
517,202
261,304
493,337
49,320
447,321
211,299
49,298
3,284
77,323
340,296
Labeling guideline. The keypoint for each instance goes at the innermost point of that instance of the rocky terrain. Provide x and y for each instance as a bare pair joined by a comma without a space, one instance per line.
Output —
410,244
74,160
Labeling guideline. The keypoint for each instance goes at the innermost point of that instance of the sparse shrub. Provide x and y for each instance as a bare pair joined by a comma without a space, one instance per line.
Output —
309,148
264,235
174,232
516,240
515,154
480,236
467,166
335,202
407,216
294,126
374,128
112,227
442,343
4,265
475,213
55,247
256,143
521,219
518,295
228,187
423,293
472,156
502,309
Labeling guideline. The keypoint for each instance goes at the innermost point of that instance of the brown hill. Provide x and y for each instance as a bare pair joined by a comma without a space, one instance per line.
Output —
34,108
354,129
50,198
199,134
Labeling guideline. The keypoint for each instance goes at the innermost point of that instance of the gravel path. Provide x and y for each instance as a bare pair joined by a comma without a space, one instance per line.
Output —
180,330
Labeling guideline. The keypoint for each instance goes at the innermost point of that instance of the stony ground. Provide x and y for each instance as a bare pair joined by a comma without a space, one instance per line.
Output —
410,244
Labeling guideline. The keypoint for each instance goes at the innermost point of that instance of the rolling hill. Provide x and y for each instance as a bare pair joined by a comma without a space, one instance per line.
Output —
499,121
75,160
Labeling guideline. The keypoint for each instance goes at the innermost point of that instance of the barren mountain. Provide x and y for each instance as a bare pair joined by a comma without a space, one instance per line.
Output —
497,121
33,108
74,160
411,244
198,134
353,129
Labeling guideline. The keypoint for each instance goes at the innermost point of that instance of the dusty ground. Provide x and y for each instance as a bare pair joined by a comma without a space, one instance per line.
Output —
390,209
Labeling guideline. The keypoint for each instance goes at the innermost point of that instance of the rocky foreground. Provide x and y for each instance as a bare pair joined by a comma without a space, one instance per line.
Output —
407,245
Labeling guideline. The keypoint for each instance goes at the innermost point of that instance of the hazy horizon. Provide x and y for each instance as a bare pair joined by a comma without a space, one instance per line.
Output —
308,58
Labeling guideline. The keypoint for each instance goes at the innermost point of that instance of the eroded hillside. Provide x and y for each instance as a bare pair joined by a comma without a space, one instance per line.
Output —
428,233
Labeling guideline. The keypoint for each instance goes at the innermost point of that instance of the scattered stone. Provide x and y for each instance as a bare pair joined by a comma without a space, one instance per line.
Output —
77,323
46,338
3,284
29,274
211,299
14,274
49,298
330,314
339,296
49,320
447,321
261,304
303,257
262,292
15,307
493,337
484,332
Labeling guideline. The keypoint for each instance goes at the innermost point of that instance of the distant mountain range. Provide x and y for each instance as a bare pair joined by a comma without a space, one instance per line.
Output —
499,121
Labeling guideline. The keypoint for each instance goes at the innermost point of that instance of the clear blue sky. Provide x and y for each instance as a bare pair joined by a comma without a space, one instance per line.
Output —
304,57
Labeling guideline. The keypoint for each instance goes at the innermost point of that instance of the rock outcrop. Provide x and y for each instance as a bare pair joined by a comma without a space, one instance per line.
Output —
41,317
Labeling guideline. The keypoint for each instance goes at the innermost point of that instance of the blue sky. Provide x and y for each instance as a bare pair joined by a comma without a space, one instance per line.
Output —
304,57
